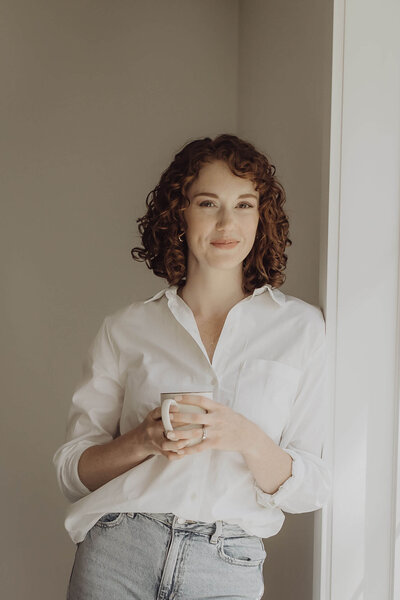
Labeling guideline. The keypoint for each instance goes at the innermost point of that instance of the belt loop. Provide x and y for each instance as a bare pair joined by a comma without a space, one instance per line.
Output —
174,521
217,533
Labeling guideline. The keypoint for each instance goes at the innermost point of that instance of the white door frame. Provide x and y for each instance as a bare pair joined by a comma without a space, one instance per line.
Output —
357,555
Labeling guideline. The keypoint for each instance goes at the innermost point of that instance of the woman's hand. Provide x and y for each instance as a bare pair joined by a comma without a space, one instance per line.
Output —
153,438
225,427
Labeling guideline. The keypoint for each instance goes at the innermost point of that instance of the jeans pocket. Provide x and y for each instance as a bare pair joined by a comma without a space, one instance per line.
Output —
247,551
110,520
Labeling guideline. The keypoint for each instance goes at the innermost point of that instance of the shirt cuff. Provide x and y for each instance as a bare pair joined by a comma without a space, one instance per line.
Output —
287,488
67,470
79,487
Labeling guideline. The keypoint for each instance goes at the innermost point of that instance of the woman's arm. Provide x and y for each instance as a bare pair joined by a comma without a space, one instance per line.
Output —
271,466
297,467
98,464
101,463
93,421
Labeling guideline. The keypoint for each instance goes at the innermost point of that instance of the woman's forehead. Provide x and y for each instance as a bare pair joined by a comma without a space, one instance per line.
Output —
216,177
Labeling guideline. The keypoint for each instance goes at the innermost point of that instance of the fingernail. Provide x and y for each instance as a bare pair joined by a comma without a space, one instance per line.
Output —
180,452
172,436
178,398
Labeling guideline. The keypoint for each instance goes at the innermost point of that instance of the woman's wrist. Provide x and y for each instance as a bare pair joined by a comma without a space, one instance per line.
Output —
101,463
134,443
246,439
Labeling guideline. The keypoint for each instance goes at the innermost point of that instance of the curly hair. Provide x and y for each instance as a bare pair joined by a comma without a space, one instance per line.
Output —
164,220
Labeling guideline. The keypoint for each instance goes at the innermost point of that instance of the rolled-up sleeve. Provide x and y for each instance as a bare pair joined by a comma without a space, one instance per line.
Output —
304,438
94,413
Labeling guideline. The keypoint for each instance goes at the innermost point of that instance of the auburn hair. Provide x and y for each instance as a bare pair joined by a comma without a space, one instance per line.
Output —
159,228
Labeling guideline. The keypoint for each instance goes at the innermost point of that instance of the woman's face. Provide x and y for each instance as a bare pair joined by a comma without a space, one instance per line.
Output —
223,208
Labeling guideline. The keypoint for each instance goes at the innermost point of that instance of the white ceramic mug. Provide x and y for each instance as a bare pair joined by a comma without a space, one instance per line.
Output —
168,398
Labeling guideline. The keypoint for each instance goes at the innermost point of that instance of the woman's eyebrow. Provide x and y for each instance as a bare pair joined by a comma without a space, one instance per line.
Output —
216,196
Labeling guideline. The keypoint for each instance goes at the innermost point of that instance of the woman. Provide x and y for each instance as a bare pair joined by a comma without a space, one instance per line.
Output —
151,517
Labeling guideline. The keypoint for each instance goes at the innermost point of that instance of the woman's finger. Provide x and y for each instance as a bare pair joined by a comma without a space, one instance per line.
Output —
156,412
192,418
184,434
170,446
202,401
200,447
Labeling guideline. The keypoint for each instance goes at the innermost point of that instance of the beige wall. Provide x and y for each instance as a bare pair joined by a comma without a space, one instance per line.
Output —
98,97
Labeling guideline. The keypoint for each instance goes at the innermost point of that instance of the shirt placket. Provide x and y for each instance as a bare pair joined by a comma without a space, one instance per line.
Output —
185,317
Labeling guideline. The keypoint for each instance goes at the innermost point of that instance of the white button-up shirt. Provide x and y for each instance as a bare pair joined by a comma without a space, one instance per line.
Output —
269,365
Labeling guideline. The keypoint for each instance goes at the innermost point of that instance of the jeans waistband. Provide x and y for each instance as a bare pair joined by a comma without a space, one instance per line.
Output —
216,529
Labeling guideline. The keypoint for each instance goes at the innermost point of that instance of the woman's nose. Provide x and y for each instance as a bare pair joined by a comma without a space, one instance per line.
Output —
225,218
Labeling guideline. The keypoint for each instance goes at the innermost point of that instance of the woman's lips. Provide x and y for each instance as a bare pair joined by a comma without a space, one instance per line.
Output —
224,245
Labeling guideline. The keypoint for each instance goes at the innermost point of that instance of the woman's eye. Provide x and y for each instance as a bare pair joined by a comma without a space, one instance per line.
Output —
208,203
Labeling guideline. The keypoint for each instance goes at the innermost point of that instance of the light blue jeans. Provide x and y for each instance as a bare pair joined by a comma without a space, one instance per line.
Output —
156,556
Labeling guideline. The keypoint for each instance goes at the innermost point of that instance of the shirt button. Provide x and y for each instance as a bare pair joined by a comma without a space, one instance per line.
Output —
180,520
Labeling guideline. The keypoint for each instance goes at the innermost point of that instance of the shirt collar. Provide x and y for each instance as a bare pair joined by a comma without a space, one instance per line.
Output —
275,294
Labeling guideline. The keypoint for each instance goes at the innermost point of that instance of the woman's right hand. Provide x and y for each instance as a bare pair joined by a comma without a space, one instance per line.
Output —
154,441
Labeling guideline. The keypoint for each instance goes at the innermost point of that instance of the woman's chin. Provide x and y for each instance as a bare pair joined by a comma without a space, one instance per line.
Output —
225,264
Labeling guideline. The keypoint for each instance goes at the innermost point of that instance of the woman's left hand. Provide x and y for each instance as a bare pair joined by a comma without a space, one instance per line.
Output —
225,427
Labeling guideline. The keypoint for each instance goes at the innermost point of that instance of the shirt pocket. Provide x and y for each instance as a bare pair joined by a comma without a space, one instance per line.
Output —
265,392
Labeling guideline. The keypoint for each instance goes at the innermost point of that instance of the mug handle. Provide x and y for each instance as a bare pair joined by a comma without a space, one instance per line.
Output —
165,413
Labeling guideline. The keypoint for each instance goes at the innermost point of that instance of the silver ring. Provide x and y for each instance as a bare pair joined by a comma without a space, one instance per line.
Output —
204,436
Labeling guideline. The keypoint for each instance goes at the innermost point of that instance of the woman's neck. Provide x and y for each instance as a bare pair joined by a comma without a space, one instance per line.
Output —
208,300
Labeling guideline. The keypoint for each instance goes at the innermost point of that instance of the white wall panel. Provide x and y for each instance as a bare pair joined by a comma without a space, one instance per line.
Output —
363,284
